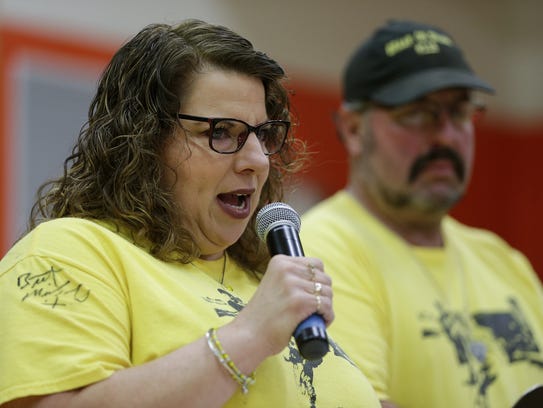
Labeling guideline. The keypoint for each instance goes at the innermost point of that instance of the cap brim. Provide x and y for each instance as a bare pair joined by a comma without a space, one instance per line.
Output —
415,86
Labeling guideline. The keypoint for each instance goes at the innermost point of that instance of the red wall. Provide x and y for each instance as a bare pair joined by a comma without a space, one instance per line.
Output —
506,194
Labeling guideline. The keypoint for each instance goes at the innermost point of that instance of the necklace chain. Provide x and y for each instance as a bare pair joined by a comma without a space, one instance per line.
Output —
222,273
223,269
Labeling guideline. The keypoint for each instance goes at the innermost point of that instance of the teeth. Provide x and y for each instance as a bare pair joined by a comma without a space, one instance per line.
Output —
235,200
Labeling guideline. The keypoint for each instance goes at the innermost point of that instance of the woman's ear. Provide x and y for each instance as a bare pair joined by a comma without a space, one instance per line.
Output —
349,128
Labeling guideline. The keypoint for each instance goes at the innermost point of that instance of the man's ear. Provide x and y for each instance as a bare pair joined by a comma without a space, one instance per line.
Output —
349,127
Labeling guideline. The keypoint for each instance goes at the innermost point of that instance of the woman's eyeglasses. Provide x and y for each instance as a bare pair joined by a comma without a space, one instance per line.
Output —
227,135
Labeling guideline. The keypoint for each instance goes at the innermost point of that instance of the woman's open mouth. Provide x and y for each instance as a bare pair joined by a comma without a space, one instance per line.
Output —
235,205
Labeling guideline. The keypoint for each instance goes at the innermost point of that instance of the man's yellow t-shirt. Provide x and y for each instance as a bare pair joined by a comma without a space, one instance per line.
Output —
460,326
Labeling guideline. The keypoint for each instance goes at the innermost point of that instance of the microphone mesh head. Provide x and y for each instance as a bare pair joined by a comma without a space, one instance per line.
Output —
274,214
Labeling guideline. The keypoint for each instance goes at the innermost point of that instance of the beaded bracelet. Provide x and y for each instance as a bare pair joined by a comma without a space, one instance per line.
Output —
215,346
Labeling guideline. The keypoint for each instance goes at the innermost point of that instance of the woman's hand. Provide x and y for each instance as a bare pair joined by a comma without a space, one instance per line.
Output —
292,289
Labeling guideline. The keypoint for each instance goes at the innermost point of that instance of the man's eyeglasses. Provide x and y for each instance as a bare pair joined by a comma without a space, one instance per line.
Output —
228,135
429,115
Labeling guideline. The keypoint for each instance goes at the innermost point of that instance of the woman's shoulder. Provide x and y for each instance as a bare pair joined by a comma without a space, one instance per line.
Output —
67,237
80,229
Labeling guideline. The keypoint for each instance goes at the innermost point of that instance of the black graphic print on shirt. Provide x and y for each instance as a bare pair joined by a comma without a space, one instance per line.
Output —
508,329
230,305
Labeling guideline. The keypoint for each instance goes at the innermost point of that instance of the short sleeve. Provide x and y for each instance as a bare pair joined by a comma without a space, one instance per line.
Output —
64,315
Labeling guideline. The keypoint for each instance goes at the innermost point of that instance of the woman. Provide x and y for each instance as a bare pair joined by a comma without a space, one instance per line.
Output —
142,282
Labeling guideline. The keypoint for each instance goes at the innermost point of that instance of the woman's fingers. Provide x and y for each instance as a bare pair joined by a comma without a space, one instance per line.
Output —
292,289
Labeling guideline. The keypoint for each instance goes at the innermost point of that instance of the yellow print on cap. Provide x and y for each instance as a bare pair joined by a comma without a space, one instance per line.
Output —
422,41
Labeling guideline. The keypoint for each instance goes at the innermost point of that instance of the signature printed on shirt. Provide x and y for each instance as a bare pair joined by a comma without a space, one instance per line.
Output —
51,288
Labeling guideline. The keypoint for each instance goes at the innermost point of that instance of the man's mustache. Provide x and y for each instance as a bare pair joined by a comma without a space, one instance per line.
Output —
436,154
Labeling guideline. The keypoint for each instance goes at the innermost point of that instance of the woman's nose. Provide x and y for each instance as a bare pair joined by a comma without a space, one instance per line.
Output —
251,155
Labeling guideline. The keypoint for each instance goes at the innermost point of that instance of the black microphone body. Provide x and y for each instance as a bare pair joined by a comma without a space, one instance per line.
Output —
278,225
284,239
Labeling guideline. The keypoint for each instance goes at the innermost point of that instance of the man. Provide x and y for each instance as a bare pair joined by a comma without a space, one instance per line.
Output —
436,313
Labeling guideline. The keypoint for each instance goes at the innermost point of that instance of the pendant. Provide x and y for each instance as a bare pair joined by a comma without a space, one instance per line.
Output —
478,349
228,287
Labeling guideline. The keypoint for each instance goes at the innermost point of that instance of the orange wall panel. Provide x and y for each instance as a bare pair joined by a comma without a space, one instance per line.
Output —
17,43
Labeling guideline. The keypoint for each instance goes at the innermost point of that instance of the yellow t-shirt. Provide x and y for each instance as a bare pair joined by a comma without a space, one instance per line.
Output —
79,301
455,327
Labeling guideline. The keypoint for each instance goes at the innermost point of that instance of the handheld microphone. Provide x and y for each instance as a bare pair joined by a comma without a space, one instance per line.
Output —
277,224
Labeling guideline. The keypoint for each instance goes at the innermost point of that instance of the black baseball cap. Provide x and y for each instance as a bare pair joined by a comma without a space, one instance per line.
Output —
404,60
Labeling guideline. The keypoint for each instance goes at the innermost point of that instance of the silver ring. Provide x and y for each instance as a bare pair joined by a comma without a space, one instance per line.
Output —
318,288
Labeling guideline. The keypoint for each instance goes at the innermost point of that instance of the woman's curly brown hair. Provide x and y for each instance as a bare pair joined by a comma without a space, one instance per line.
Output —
114,172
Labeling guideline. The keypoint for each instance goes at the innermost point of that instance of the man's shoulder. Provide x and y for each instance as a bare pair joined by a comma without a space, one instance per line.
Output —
337,208
473,235
341,222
